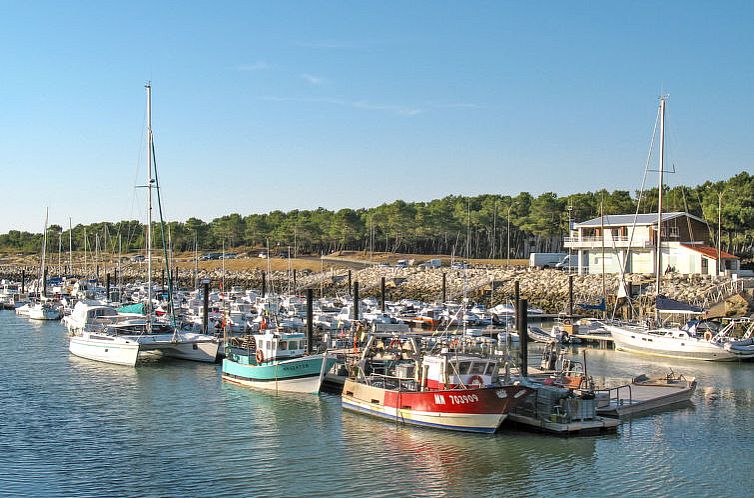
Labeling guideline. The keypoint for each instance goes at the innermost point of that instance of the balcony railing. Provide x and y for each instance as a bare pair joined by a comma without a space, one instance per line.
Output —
614,241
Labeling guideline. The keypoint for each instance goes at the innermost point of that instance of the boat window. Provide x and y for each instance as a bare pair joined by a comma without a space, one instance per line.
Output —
463,367
293,345
283,345
490,368
477,368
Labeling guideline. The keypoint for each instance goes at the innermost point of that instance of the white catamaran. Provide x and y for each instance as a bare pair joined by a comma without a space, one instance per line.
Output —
124,341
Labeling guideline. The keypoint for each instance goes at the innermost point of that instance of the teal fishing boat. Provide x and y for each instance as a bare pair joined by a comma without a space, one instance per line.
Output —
276,361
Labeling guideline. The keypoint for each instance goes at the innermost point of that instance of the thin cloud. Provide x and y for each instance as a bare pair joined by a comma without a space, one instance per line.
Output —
257,66
355,104
311,79
334,44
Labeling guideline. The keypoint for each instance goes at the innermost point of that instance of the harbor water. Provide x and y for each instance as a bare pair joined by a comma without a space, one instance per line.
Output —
72,427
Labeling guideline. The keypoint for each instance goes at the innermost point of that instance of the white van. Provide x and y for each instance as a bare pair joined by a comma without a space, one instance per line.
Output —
569,263
545,259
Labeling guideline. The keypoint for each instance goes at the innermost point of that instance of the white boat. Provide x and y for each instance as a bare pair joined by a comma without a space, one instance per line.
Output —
44,311
676,343
123,342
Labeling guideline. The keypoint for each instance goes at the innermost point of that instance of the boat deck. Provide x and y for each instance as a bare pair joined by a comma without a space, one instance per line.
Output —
597,425
634,399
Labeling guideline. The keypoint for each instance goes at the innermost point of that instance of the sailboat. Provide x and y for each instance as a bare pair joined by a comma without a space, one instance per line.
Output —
43,309
668,341
124,342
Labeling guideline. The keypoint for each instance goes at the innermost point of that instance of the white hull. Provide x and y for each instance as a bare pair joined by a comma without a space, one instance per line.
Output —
475,422
125,350
116,350
305,385
36,313
690,348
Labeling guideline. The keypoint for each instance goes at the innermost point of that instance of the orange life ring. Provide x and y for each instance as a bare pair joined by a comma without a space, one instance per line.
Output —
476,380
708,336
260,356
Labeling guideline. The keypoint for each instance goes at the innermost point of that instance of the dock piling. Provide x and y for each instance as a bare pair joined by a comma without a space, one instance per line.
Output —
309,320
522,322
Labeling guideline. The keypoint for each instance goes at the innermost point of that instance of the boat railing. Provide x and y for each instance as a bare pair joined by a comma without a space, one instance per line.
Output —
391,382
617,394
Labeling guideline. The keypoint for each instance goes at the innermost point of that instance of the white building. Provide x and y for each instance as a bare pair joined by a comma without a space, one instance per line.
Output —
612,241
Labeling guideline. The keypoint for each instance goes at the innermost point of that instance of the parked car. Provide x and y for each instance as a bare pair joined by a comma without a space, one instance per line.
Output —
459,265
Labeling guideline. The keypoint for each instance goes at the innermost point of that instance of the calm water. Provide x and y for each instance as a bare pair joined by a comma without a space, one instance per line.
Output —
72,427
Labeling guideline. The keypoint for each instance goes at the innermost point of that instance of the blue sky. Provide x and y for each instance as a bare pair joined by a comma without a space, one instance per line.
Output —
294,105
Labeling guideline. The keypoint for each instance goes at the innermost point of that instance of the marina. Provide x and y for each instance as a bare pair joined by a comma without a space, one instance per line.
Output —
183,414
385,249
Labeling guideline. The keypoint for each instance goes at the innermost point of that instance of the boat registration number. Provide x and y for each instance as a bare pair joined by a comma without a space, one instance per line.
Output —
463,399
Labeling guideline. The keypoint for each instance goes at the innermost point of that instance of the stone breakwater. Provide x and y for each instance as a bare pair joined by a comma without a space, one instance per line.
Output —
546,289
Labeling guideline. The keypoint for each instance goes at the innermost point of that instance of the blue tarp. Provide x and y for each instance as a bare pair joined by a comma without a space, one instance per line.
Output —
132,308
667,305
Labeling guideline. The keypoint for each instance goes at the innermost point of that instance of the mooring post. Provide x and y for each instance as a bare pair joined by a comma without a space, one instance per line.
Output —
382,293
349,279
23,281
107,286
444,287
264,284
522,320
309,320
570,296
356,300
205,306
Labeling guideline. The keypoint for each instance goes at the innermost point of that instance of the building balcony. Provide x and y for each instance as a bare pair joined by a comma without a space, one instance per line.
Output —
608,242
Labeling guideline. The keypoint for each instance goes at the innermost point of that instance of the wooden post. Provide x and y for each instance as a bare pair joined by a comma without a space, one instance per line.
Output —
382,293
309,320
205,307
522,321
356,300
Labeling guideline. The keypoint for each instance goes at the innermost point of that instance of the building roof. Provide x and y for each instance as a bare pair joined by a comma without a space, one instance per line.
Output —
708,251
631,219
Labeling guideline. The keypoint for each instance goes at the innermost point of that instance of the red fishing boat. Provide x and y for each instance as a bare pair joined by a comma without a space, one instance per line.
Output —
447,390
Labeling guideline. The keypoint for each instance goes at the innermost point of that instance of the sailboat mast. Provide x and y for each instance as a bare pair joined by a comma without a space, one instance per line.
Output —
42,280
659,194
70,246
149,205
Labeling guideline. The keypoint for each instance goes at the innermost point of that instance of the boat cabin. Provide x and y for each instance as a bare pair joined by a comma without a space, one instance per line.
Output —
447,371
279,346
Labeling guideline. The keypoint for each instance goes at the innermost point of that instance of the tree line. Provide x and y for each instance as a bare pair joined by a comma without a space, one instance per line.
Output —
483,226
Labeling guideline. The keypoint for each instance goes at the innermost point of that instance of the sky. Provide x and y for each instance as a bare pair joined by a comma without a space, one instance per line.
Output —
262,106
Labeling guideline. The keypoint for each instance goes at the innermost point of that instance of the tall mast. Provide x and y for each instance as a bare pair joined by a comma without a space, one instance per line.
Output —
659,194
42,291
70,246
149,206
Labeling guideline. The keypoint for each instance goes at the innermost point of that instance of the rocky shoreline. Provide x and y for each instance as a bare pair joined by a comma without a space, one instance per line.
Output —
546,289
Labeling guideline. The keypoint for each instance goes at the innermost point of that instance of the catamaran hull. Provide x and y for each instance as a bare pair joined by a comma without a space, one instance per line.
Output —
196,351
640,342
115,352
300,375
469,410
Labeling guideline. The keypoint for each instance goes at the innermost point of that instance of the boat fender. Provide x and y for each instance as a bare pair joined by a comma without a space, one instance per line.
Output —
260,356
708,336
476,380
